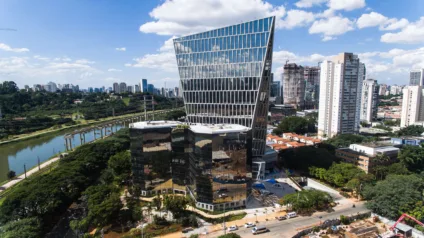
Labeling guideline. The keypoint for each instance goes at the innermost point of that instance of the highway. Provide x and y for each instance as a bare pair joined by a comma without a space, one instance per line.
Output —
288,228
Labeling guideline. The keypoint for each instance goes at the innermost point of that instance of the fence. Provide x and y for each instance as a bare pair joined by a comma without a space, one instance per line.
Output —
329,223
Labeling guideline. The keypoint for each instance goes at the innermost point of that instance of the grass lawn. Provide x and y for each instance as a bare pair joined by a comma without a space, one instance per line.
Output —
126,101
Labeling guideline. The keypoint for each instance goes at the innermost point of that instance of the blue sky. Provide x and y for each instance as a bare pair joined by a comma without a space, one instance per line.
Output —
95,43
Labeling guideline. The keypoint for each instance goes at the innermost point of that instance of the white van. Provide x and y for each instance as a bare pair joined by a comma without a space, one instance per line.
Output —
291,215
259,230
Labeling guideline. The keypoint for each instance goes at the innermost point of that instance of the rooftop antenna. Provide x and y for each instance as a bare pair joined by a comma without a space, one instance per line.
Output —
287,61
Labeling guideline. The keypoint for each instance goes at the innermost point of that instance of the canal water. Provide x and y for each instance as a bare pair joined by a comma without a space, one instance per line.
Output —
13,156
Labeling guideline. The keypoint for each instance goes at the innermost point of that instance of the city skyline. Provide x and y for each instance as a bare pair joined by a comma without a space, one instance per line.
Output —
387,38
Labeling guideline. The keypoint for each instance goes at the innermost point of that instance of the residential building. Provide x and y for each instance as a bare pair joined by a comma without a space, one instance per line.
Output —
151,88
225,75
130,89
340,95
90,90
144,86
37,87
52,87
412,105
395,90
123,87
294,85
383,89
26,87
311,76
369,101
280,111
416,77
137,88
163,92
366,157
116,88
212,163
177,92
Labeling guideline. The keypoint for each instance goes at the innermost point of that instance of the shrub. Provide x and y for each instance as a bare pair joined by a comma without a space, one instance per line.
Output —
11,174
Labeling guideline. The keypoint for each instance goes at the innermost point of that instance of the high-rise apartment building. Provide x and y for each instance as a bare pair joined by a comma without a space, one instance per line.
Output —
382,89
116,88
137,88
52,87
395,90
225,75
150,88
122,87
293,85
369,101
311,76
412,105
143,85
416,77
177,92
130,89
340,95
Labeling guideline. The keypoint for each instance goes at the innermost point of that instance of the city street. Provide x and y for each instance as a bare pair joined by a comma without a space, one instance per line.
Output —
288,228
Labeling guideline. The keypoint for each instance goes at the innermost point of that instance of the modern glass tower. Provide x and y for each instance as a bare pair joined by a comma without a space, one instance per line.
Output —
225,75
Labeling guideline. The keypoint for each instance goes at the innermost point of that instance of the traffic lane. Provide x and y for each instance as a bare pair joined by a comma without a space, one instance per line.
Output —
287,228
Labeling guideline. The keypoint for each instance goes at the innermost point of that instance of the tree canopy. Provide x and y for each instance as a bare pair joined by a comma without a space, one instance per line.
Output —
394,195
339,174
304,157
307,201
412,130
344,140
294,124
413,158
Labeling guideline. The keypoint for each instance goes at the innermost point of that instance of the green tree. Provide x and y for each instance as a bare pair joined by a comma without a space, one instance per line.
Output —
344,140
394,195
294,124
27,227
304,157
413,158
307,201
411,131
11,174
121,165
176,205
157,202
230,235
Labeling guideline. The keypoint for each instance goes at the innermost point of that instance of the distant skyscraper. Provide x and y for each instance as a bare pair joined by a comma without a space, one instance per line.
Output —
150,88
412,105
311,76
130,89
116,87
416,77
177,92
90,89
275,89
396,90
294,85
340,95
122,87
137,88
369,101
26,88
144,85
52,87
225,76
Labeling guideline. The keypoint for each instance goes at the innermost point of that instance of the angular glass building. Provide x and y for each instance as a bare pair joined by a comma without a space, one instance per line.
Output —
225,76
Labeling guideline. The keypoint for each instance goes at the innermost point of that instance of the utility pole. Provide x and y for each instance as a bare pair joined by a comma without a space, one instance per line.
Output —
25,170
38,157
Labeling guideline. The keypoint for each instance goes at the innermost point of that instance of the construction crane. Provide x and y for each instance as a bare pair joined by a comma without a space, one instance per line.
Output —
402,217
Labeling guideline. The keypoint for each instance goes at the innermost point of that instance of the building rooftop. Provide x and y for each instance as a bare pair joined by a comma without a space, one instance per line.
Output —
217,128
154,124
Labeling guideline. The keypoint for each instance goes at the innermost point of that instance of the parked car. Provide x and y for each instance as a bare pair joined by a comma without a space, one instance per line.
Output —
222,190
291,215
232,228
188,229
249,224
223,195
280,218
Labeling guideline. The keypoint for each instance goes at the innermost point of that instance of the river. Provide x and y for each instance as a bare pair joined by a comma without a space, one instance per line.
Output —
13,156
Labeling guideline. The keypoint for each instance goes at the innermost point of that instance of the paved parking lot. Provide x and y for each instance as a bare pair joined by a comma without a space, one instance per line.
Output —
268,200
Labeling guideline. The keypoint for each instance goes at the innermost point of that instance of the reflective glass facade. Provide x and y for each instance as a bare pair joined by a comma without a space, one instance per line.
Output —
159,160
220,169
225,75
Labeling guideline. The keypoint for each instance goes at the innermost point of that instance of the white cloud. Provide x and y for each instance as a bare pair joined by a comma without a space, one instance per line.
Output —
385,24
114,70
347,5
65,59
179,17
38,57
394,24
412,33
121,49
331,27
371,19
16,50
86,75
165,61
297,18
309,3
84,61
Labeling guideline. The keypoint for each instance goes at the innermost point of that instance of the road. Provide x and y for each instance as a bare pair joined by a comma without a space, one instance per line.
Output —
288,228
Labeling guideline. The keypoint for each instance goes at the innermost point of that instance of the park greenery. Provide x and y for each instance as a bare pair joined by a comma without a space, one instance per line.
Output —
412,130
339,174
28,111
307,201
302,158
344,140
46,197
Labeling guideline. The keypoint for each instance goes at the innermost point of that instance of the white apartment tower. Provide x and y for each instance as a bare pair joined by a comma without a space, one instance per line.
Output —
412,105
340,95
369,100
293,85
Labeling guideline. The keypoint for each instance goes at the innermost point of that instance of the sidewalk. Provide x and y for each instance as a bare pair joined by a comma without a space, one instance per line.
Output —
29,173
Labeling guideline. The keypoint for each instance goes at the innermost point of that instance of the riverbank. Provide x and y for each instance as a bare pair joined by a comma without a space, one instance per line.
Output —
21,177
21,137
